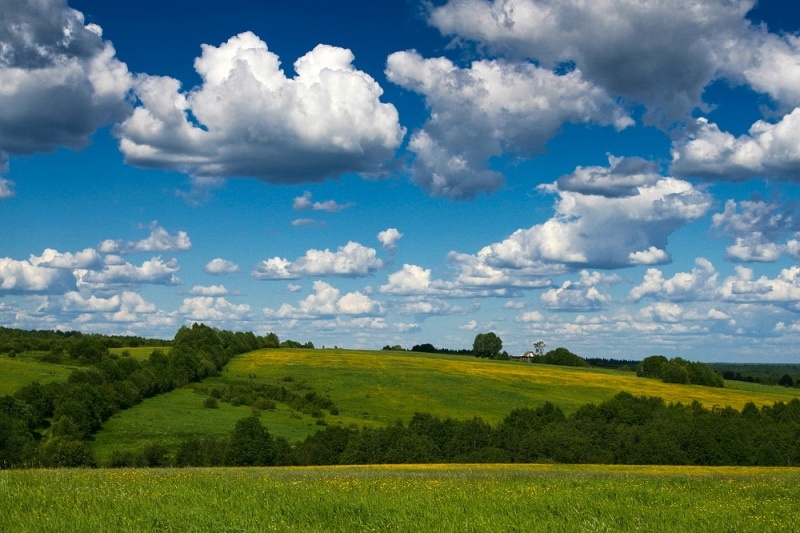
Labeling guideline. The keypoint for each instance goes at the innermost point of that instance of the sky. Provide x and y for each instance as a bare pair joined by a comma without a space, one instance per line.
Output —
621,178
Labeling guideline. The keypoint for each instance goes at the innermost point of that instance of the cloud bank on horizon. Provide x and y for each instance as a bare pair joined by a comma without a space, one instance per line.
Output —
618,177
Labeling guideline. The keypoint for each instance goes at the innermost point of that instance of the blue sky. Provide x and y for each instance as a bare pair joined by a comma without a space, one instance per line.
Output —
620,178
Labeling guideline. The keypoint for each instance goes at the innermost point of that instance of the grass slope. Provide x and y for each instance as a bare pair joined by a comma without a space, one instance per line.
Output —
26,368
375,388
464,498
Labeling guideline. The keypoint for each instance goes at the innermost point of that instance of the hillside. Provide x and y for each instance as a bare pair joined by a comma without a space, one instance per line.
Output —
376,388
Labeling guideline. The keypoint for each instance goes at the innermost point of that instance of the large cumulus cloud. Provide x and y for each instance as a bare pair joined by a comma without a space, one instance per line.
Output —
486,110
660,54
592,230
248,118
61,80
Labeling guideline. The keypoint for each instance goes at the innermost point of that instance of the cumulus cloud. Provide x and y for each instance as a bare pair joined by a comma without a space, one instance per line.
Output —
304,203
389,237
350,260
212,290
580,295
61,80
219,266
88,259
19,277
117,271
758,227
660,54
212,308
159,241
699,284
578,235
6,189
248,119
489,109
327,301
766,150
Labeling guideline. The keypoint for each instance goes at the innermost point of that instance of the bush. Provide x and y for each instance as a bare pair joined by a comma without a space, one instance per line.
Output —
211,403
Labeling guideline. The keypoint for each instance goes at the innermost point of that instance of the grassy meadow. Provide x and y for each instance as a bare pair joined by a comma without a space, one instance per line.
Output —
464,498
376,388
26,368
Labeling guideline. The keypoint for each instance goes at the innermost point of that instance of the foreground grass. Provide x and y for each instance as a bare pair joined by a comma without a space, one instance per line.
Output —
403,498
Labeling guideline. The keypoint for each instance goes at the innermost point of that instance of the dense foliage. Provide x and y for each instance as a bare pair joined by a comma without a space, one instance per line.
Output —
488,345
560,356
677,370
48,425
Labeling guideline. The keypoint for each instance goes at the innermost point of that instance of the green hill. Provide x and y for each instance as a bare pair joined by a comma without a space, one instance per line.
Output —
376,388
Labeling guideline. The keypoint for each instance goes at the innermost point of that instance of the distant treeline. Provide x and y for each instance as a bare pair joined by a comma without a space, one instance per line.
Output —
48,425
787,375
616,364
622,430
73,344
430,348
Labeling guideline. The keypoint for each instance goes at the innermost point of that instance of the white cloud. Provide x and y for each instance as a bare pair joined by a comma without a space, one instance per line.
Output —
88,259
119,272
699,284
422,306
581,295
389,238
530,316
307,222
350,260
327,301
304,203
251,120
744,287
758,227
487,110
6,189
61,80
159,241
469,326
212,290
577,236
25,277
219,266
75,302
213,308
291,287
660,54
766,150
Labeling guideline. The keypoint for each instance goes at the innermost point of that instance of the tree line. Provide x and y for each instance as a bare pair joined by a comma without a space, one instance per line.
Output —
49,425
622,430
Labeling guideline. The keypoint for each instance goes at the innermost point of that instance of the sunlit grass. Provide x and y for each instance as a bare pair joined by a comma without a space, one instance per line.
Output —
447,498
26,368
378,387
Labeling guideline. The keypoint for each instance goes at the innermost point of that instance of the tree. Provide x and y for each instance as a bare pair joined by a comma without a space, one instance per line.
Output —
786,381
487,345
538,348
251,444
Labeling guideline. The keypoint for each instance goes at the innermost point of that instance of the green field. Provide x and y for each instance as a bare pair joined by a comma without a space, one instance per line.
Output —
376,388
465,498
26,368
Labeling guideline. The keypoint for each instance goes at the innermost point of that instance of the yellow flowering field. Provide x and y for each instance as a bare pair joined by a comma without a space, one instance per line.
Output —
444,498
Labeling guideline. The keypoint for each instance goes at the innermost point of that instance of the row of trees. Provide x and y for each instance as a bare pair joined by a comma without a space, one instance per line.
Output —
48,425
678,370
622,430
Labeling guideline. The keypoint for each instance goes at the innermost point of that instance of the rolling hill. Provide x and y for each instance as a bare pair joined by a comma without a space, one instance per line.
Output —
375,388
